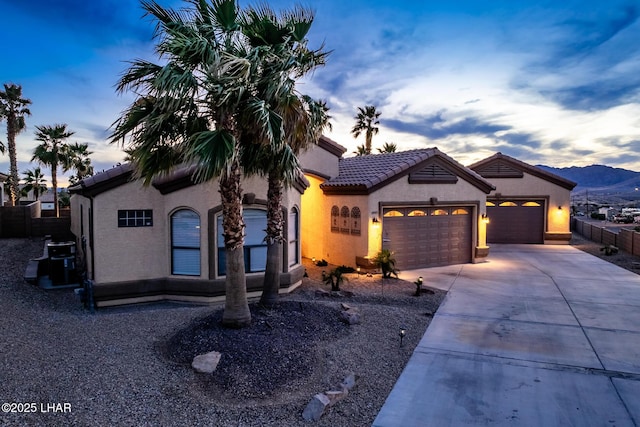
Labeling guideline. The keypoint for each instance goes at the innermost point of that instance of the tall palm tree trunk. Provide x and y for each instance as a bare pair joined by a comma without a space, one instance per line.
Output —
12,130
54,184
275,225
236,310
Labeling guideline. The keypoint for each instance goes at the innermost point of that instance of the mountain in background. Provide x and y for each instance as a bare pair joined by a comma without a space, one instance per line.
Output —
610,185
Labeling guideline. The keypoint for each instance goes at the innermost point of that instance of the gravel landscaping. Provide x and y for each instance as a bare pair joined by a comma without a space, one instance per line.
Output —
61,365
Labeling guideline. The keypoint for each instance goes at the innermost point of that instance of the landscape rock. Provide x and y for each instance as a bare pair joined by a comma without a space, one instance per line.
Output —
206,363
349,381
316,407
350,317
336,395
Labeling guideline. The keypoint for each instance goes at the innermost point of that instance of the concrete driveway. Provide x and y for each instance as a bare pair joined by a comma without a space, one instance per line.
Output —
536,336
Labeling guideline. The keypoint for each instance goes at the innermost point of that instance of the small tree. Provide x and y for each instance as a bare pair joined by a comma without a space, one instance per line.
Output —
388,147
335,278
387,263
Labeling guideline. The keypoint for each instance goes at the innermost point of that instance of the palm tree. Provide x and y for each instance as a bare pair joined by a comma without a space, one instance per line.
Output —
213,97
302,119
34,181
76,157
366,121
388,147
361,150
13,108
51,152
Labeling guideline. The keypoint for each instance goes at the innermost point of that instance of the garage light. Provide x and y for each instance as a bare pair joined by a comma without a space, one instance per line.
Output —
559,208
485,218
402,333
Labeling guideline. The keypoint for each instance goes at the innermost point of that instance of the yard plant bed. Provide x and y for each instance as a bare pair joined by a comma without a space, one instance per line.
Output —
130,365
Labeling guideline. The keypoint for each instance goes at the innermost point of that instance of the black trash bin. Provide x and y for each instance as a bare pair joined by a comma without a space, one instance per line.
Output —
62,262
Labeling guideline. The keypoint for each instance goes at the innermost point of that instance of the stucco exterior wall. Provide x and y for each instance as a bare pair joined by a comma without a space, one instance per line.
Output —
529,186
340,248
129,253
314,222
123,254
319,160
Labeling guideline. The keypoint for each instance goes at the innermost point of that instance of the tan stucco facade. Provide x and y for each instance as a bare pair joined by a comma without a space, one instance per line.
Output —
557,198
340,248
120,256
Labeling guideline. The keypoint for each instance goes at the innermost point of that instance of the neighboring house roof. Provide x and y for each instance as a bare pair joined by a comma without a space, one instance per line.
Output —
3,177
502,166
365,174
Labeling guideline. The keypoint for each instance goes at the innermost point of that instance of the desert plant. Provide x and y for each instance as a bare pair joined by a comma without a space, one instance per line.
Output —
334,278
609,250
387,263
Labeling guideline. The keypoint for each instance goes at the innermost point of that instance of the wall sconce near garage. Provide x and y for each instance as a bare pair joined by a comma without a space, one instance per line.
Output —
374,218
485,219
560,207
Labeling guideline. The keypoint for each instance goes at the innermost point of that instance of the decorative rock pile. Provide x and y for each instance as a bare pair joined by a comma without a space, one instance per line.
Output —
319,404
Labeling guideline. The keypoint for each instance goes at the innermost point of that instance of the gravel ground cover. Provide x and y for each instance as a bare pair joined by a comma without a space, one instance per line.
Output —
61,365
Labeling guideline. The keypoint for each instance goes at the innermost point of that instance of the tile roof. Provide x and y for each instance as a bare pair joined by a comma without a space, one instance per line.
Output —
180,178
365,174
103,181
524,167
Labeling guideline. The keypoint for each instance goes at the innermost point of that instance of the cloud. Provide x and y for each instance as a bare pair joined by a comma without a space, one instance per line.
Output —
437,126
587,61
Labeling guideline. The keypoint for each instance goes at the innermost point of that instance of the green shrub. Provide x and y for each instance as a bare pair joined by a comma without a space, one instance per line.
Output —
387,263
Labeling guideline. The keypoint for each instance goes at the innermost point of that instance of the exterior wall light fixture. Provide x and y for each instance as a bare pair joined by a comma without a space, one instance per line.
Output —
485,218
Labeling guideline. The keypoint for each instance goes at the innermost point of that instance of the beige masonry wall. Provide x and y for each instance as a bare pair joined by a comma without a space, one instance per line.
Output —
557,220
340,248
138,253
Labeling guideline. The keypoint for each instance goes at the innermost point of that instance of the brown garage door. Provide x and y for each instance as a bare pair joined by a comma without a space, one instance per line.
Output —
515,221
426,236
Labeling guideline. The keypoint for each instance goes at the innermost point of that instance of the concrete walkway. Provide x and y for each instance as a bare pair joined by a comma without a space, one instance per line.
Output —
536,336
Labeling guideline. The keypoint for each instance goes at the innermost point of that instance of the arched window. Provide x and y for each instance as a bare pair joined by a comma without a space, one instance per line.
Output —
529,204
255,247
335,217
417,212
460,211
185,243
355,221
344,220
393,213
508,204
490,204
438,212
292,237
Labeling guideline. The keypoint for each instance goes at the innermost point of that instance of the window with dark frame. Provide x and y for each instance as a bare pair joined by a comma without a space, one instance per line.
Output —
135,218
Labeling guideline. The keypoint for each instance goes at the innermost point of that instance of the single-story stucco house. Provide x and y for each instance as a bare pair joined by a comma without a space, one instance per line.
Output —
164,241
421,204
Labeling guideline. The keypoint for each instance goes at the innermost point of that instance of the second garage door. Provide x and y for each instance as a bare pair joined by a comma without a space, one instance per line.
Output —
428,237
515,221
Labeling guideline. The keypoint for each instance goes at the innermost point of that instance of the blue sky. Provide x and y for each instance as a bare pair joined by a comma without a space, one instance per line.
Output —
548,82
